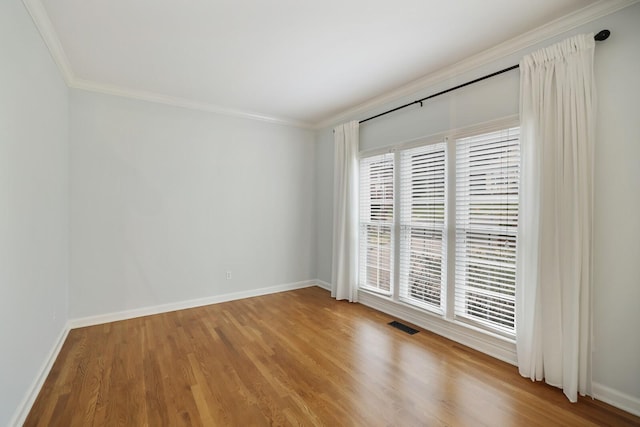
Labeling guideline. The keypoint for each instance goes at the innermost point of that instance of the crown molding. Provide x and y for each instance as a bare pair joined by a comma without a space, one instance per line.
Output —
174,101
42,22
554,28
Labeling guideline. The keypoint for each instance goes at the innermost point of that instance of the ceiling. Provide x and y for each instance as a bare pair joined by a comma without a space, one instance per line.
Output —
300,61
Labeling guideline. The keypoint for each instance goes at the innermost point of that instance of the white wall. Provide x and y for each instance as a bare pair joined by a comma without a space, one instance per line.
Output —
165,200
616,364
324,204
33,205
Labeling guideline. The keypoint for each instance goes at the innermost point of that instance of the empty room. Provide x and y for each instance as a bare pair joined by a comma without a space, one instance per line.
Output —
357,213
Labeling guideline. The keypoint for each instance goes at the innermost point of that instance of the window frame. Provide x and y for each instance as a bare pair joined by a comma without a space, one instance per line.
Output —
486,230
391,224
405,224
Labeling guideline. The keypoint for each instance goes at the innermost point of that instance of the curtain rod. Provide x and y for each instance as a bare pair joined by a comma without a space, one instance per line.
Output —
602,35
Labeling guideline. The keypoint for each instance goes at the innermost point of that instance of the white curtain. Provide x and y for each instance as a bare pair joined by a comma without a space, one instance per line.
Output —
345,212
553,315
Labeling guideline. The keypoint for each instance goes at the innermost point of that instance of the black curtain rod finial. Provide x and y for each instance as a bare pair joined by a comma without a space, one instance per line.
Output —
602,35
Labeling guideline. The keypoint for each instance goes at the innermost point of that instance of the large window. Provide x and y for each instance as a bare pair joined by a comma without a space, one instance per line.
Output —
459,193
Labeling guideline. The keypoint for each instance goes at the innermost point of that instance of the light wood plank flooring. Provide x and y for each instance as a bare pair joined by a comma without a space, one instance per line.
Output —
293,358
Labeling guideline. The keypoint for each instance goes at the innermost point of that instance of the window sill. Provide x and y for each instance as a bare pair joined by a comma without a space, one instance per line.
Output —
493,345
377,292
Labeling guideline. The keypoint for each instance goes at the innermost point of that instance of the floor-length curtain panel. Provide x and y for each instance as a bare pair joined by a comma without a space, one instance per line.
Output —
557,113
345,212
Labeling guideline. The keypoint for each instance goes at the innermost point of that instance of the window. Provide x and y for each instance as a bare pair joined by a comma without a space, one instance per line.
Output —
376,223
422,194
461,194
487,177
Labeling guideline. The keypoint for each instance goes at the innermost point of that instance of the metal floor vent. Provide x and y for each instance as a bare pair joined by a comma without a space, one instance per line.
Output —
403,327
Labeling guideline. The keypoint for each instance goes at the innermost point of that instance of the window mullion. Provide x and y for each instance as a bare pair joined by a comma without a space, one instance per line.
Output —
397,234
450,228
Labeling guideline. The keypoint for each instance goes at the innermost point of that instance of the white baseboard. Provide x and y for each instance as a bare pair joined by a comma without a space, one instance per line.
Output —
616,398
324,285
164,308
494,346
32,393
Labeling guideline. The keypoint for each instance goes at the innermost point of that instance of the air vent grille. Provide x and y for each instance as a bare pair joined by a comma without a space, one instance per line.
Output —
403,327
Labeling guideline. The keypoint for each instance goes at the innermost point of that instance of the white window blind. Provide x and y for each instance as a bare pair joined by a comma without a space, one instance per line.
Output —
423,249
376,223
487,178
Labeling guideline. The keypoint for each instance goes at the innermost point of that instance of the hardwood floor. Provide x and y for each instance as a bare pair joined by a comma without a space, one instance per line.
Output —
293,358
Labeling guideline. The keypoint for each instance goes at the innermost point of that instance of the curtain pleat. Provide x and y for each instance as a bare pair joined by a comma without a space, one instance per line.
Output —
553,279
